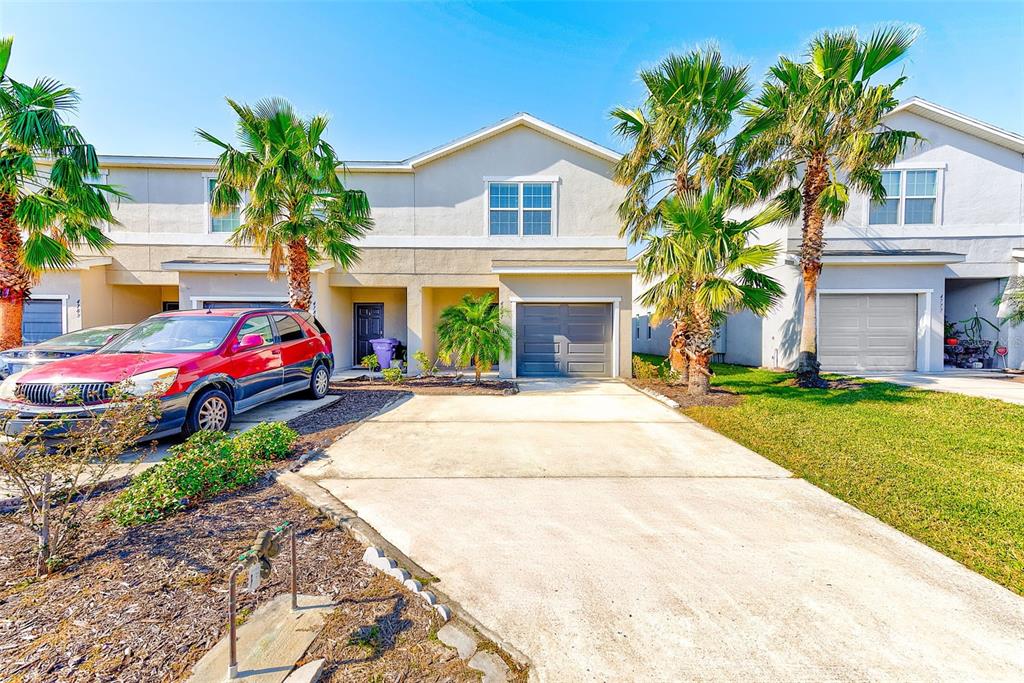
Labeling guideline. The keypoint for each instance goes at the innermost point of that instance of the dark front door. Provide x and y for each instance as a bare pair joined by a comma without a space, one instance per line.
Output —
369,325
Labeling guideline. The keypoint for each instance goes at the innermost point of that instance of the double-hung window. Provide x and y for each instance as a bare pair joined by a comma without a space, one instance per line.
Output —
520,207
911,198
223,223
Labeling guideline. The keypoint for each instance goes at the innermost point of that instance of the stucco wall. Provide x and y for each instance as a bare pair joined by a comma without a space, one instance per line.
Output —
555,287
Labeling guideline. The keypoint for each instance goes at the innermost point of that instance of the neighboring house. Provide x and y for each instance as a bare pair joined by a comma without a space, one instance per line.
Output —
940,247
654,339
522,209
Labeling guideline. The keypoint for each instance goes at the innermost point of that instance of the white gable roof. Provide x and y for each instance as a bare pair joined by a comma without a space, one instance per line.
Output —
948,117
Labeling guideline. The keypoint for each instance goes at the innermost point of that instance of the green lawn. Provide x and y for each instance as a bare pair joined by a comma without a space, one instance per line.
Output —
944,468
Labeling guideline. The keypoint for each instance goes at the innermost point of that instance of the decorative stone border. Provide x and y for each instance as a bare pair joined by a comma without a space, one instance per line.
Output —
660,398
376,558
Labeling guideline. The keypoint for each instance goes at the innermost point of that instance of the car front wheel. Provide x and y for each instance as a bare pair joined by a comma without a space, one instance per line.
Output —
210,411
320,382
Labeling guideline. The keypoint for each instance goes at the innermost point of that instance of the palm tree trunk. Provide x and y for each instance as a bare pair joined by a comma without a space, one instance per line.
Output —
15,281
300,292
678,359
476,368
808,370
703,342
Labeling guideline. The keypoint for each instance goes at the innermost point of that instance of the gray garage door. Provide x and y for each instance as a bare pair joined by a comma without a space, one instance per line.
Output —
43,319
868,332
570,340
244,304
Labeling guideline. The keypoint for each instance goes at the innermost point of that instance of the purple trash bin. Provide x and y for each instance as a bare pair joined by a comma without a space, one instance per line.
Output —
384,349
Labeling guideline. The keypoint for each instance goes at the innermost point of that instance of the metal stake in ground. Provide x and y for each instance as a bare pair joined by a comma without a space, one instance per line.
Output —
266,547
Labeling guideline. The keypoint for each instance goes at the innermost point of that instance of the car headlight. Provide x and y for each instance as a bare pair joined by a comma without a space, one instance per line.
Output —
9,386
152,383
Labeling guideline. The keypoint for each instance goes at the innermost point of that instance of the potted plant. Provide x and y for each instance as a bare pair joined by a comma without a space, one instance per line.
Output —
950,332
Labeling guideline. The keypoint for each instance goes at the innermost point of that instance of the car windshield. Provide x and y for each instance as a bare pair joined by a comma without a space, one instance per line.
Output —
93,337
173,334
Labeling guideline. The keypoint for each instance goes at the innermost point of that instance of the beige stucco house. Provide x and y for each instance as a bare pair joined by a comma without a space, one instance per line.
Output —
522,209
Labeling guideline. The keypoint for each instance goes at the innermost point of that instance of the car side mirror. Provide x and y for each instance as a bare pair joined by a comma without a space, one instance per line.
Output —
249,341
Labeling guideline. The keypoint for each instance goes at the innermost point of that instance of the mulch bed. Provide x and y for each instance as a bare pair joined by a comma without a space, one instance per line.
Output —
145,604
439,384
679,394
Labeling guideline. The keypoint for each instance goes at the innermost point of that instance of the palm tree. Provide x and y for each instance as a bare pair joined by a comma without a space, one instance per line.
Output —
45,193
707,262
679,145
297,209
817,127
473,331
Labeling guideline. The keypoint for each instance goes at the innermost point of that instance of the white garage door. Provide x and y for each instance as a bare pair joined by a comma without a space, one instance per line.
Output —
868,332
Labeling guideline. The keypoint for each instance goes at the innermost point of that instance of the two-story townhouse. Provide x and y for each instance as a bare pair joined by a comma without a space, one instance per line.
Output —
522,209
941,247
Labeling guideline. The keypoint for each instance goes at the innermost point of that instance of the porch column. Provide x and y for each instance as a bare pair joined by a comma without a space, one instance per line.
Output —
417,308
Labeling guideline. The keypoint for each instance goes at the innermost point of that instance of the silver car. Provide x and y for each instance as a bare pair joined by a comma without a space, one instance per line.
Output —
65,346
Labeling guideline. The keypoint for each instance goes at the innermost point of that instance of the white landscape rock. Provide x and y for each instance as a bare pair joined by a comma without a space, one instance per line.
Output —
372,555
445,613
428,597
413,585
399,574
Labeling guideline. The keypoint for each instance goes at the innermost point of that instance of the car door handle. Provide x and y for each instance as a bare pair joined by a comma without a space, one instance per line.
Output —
276,352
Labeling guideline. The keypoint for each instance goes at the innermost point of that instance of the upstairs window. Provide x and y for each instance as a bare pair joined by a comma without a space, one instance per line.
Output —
228,222
520,208
911,198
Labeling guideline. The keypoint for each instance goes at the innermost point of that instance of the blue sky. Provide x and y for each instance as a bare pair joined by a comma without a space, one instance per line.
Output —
401,78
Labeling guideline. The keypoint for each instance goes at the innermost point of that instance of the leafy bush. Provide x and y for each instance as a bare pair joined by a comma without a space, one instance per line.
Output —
667,374
207,464
370,361
268,440
393,375
643,370
428,366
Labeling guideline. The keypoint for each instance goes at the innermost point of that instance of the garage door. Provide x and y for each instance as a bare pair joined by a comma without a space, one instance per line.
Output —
42,319
244,304
868,332
569,340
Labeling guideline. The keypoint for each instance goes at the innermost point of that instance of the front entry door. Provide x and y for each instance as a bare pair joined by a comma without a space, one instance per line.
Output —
369,325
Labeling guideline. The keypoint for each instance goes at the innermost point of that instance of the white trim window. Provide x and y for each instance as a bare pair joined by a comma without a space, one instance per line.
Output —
523,207
912,198
219,224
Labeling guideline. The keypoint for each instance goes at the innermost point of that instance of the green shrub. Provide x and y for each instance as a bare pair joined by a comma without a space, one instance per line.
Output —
643,370
393,375
205,465
268,440
370,361
667,374
427,366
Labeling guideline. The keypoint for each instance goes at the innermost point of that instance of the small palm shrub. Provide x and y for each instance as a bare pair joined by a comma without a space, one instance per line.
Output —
207,464
472,331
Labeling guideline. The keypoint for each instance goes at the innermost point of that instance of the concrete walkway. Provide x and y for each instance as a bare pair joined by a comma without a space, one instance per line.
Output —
609,538
982,383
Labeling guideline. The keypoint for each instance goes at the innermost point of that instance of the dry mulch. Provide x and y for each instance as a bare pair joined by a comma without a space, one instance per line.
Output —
330,422
679,393
144,604
439,385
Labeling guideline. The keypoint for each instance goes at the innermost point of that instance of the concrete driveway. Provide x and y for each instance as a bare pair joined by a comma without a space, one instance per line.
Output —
609,538
981,383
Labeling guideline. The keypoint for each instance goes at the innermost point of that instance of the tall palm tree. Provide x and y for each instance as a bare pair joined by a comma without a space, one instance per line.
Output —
473,331
45,166
817,127
297,209
708,261
679,145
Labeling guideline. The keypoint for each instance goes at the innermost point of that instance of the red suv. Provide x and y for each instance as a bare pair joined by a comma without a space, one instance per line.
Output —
207,366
